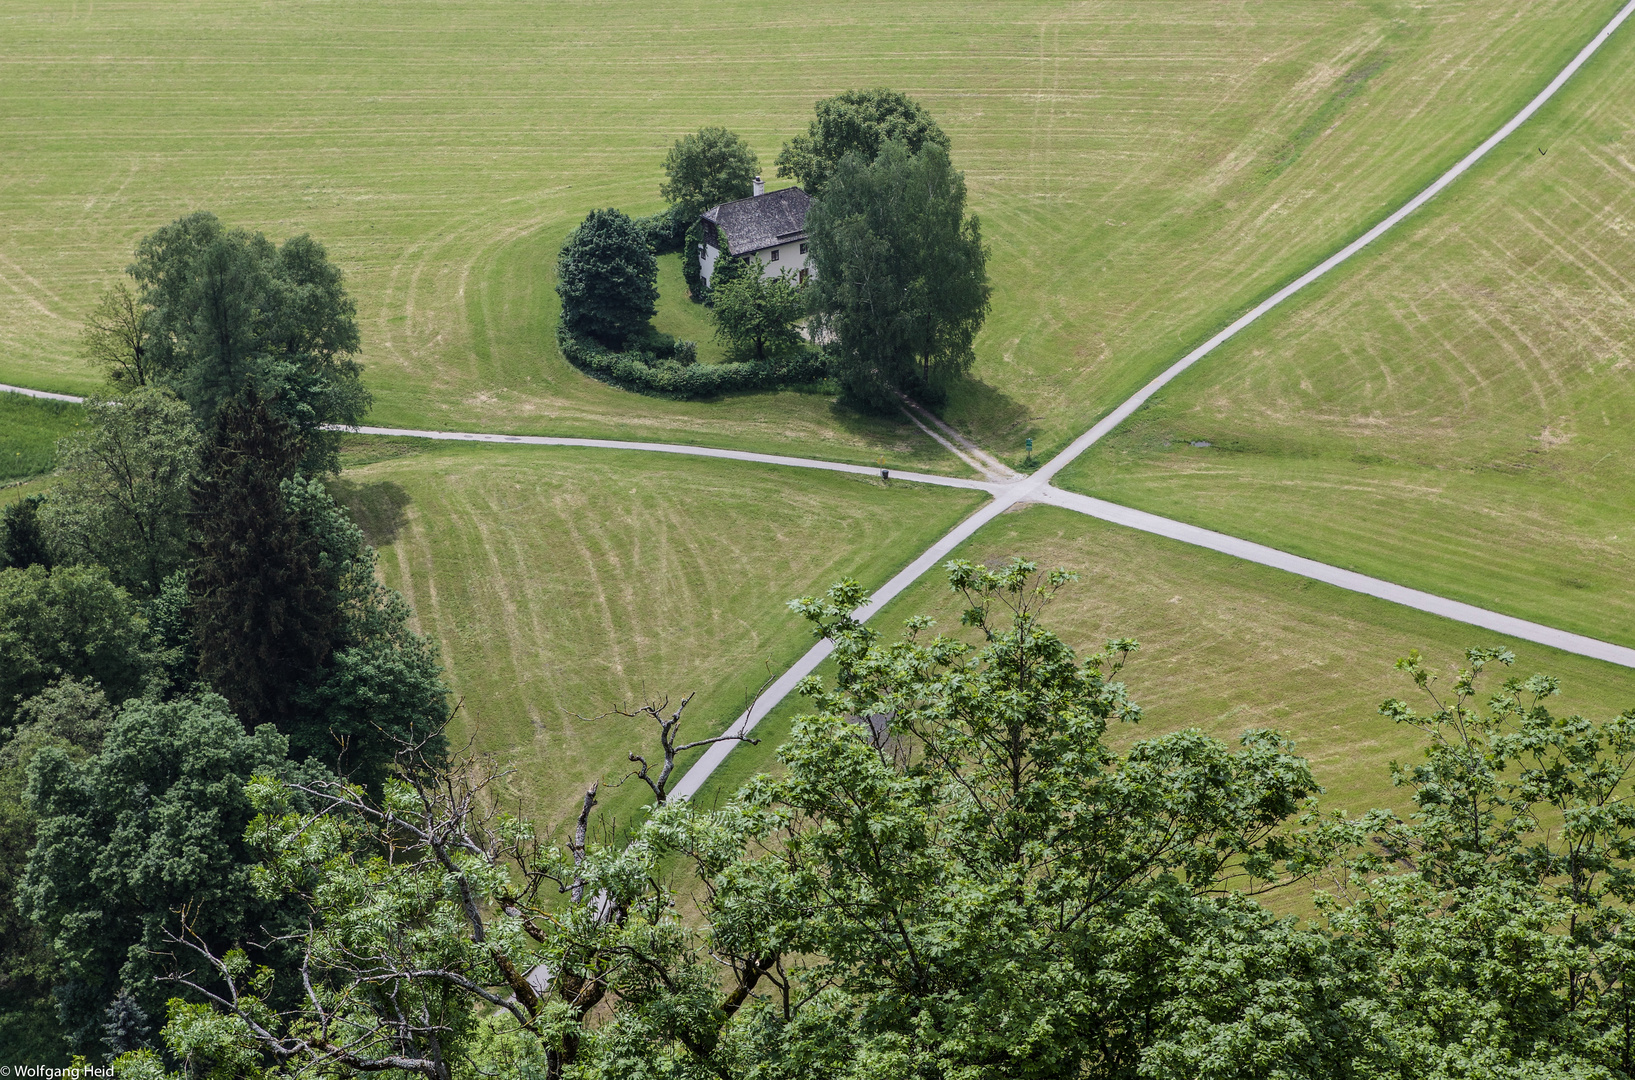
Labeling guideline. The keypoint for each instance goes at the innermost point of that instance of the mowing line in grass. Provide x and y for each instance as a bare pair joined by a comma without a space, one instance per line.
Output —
1119,415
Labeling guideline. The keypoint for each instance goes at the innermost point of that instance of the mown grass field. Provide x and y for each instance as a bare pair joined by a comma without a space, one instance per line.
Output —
1142,170
1451,411
1227,646
564,583
29,430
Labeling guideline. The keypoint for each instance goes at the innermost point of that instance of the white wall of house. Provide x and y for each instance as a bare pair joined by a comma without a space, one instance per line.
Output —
790,257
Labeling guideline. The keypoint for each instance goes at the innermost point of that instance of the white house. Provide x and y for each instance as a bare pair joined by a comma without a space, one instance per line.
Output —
769,227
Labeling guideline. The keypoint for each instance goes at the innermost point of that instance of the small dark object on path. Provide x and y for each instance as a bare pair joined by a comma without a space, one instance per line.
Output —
885,474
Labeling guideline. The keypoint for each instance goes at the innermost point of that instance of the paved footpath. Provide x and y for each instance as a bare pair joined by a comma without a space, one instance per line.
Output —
1037,487
682,448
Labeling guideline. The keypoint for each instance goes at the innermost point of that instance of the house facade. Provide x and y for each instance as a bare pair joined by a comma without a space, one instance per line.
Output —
769,227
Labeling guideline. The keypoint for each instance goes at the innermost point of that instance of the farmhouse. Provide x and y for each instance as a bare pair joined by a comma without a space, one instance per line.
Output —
769,227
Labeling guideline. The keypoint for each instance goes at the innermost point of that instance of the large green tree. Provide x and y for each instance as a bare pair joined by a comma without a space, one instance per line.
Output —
856,122
1497,910
71,716
607,277
125,496
73,622
118,339
227,310
901,285
758,314
290,623
707,169
150,826
22,538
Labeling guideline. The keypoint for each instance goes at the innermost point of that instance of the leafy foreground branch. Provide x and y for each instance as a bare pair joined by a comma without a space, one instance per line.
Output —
957,877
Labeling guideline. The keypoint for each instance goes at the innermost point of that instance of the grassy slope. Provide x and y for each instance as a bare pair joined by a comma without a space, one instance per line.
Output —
1227,645
1451,412
29,430
1142,170
569,582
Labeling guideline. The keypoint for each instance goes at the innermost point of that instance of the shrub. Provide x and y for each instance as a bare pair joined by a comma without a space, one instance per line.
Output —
666,231
664,366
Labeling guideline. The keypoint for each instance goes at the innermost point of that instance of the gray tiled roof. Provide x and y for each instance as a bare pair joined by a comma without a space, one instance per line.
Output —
762,221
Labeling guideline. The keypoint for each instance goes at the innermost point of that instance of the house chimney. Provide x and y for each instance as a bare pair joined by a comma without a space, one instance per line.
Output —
760,188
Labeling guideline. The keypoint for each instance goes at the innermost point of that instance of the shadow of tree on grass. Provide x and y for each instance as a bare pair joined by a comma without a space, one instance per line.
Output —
378,506
995,420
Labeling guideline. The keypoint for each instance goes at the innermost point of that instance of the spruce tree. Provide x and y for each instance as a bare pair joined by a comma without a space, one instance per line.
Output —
264,621
125,1025
22,541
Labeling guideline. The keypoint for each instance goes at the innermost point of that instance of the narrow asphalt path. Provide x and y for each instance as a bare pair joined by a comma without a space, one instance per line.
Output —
681,448
46,394
1345,579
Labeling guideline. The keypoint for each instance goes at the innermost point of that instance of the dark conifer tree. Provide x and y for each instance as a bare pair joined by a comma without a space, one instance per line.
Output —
22,541
264,621
125,1026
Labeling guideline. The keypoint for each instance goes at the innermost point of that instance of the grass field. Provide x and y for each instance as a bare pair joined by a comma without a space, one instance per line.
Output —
29,430
1227,645
1451,411
564,582
1142,170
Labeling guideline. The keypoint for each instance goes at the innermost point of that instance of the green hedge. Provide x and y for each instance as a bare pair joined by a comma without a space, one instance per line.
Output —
666,230
664,365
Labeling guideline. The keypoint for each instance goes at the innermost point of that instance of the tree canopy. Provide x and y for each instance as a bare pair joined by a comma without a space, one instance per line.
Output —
264,620
71,621
291,625
957,875
152,823
118,338
226,310
856,122
607,277
126,490
901,284
71,715
22,539
707,169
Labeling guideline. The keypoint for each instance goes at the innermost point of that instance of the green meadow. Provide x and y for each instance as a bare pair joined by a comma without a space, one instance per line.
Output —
1227,646
1142,171
1450,411
29,430
565,583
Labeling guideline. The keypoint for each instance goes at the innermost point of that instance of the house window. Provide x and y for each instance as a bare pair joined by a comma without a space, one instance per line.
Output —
803,249
773,257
